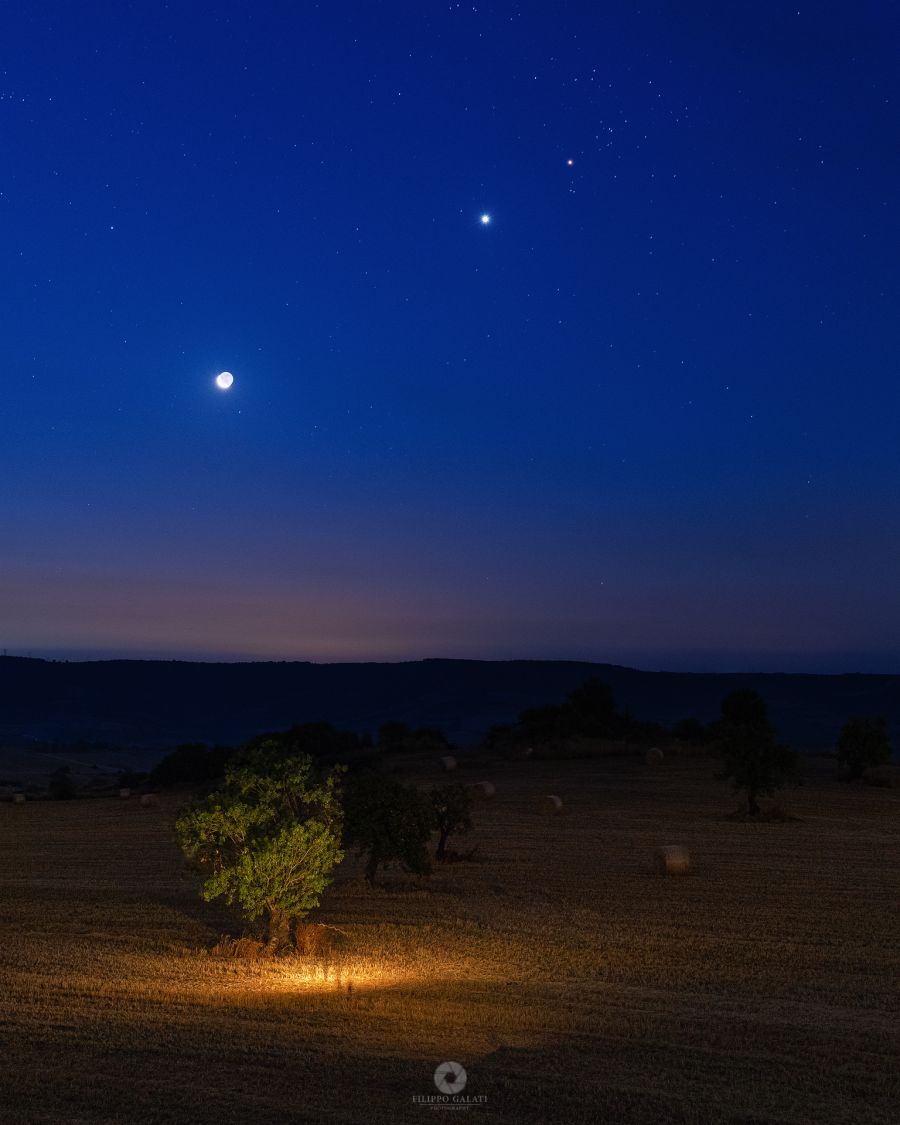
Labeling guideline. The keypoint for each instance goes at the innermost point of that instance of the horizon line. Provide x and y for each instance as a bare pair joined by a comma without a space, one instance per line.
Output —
637,665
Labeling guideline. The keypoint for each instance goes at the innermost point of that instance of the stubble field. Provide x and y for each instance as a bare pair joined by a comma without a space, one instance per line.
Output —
572,982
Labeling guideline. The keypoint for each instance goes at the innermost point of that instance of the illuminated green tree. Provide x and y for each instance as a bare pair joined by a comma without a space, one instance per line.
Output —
268,838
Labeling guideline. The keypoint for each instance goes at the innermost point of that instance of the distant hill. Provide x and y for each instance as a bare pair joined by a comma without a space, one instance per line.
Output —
154,704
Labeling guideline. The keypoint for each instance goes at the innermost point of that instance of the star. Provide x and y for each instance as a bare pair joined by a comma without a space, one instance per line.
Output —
485,219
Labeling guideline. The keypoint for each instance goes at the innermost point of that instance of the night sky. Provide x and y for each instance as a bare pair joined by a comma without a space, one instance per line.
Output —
648,413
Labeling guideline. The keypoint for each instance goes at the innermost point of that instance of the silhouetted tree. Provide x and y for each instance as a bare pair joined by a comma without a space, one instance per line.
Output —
190,764
751,755
322,741
863,743
589,712
593,711
452,813
744,708
387,821
540,724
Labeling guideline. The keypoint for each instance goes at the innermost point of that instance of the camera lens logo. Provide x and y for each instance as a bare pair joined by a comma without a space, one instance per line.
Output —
450,1077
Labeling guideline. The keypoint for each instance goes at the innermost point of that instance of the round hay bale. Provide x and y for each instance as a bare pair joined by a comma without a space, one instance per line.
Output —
550,804
654,757
149,800
448,762
484,790
672,860
125,793
19,798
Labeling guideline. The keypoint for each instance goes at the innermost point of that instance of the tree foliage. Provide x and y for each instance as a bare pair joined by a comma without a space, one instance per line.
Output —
190,764
386,822
589,711
452,813
268,838
321,740
745,708
864,742
751,755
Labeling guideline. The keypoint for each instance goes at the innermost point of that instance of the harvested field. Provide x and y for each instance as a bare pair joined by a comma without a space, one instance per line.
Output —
572,982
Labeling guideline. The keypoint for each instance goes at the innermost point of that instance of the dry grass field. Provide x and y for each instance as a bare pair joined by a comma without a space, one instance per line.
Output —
573,982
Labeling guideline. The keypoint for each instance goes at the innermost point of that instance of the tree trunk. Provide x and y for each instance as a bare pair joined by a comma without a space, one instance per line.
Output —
371,868
752,805
279,929
442,845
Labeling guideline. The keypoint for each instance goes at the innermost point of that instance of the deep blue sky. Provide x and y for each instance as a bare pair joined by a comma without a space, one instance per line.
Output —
649,414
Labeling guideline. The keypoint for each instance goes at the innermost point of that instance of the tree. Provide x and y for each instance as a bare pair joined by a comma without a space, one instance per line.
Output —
751,755
387,821
588,712
268,838
322,740
863,743
452,813
540,724
594,712
744,708
191,764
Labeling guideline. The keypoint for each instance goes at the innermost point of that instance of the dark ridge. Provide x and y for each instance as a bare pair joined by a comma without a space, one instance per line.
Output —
151,703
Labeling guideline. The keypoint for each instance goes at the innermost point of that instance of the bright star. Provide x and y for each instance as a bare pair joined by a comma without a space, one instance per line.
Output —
485,219
570,162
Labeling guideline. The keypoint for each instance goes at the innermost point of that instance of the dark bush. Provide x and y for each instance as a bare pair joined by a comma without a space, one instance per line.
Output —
191,764
863,744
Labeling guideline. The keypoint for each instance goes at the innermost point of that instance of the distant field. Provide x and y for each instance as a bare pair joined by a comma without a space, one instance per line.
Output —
573,983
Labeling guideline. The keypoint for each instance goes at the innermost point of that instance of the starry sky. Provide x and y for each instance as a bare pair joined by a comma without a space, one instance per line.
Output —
647,414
